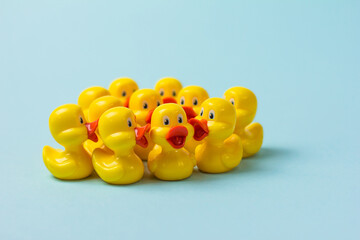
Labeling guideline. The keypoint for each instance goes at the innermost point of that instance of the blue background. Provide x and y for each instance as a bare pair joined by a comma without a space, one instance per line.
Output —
301,58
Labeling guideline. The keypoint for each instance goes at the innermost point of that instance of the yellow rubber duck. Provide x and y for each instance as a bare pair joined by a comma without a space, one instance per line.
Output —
69,128
221,150
191,98
123,88
96,109
169,160
168,88
87,96
117,128
142,103
245,103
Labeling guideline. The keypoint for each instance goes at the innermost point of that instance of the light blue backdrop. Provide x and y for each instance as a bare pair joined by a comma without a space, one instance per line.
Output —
301,58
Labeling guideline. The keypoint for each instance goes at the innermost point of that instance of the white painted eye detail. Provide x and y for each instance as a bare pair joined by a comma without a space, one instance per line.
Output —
182,100
166,120
129,122
195,101
161,92
211,114
180,118
202,112
232,101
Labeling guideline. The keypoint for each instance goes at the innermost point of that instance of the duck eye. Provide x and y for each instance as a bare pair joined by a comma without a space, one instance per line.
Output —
211,114
123,93
129,122
195,101
202,112
182,101
158,103
145,105
134,90
81,120
180,118
232,101
166,120
174,93
161,92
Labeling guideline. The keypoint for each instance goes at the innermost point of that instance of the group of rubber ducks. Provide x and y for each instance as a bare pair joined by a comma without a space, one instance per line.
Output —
174,129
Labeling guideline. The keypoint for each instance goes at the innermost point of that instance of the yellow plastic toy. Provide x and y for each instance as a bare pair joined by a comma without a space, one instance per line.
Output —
221,150
142,103
245,103
169,130
87,96
168,88
192,97
69,128
96,109
123,88
118,131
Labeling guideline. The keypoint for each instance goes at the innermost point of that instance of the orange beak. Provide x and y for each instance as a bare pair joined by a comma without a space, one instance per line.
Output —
169,100
148,116
91,127
190,113
140,135
176,136
201,129
126,104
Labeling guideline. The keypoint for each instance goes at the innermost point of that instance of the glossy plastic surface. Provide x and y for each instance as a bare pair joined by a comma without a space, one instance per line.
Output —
168,88
142,103
123,88
169,160
221,149
87,96
245,103
117,129
68,127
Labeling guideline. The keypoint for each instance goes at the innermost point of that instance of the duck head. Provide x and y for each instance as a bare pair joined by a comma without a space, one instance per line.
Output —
216,120
168,88
69,127
117,129
102,104
192,96
241,98
87,96
123,88
142,103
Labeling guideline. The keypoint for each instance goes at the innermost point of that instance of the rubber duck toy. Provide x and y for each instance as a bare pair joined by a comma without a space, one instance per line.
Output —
191,98
142,103
69,128
117,129
169,160
87,96
123,88
168,88
96,109
245,103
221,150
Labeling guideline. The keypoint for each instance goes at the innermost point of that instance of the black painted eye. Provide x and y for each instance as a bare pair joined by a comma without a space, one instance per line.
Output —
145,105
195,101
129,122
161,92
202,112
123,93
180,118
232,101
211,114
134,90
166,120
174,93
182,101
81,120
158,103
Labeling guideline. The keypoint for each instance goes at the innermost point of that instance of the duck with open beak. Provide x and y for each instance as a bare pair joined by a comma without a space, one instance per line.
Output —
169,160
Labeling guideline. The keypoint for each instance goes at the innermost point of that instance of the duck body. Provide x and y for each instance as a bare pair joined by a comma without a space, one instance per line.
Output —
221,149
68,127
251,133
169,160
119,164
